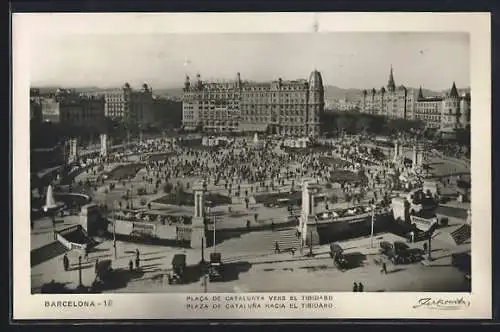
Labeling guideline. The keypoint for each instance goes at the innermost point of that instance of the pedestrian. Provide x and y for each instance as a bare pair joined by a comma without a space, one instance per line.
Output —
248,224
384,268
276,247
137,253
137,261
86,256
360,287
96,265
66,262
130,265
355,287
412,236
292,251
425,247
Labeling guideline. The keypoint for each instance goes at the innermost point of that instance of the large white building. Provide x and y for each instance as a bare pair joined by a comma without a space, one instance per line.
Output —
277,107
129,105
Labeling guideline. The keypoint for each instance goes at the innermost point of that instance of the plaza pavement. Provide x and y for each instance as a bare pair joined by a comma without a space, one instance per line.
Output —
258,268
264,269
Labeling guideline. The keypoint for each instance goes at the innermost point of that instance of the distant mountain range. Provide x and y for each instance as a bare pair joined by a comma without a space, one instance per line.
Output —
331,92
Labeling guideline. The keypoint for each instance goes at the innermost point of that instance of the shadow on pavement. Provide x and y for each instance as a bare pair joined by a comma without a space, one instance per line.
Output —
120,278
395,270
315,268
56,288
232,270
152,258
47,252
355,259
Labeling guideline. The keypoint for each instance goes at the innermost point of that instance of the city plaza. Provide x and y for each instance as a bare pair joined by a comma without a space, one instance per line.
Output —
163,197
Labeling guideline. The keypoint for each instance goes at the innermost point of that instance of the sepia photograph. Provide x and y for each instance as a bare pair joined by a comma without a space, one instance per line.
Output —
316,162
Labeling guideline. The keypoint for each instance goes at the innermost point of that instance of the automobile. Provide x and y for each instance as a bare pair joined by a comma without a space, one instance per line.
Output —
215,268
337,253
386,248
398,252
178,269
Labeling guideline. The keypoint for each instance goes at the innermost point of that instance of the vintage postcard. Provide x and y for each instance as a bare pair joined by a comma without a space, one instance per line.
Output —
251,166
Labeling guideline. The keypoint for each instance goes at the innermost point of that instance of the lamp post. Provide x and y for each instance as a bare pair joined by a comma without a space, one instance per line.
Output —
310,243
213,219
114,239
202,251
80,271
205,283
372,226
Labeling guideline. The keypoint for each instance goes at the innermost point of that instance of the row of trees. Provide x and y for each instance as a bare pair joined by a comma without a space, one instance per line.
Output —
355,123
335,124
166,114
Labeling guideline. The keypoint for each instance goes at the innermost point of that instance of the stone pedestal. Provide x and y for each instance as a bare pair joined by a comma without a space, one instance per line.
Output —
104,145
198,225
308,220
312,235
400,209
72,150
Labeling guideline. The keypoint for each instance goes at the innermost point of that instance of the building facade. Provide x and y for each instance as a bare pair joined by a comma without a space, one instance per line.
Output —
446,113
71,109
393,102
277,107
35,105
342,105
129,105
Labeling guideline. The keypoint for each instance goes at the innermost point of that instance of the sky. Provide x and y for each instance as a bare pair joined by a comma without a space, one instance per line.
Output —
360,60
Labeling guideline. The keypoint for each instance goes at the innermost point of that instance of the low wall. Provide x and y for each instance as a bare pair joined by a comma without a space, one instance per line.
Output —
340,230
152,230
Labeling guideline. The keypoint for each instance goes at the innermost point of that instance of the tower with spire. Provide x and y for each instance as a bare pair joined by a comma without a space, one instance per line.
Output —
316,102
391,85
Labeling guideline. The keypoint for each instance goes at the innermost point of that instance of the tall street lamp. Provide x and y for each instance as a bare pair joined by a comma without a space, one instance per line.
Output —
372,226
80,284
114,239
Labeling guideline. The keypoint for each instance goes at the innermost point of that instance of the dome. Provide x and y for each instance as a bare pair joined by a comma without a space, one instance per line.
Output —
315,80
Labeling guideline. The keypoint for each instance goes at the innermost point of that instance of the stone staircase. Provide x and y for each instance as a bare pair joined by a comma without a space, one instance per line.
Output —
461,234
260,241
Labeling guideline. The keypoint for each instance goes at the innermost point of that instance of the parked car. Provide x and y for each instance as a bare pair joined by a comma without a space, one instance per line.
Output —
215,269
398,252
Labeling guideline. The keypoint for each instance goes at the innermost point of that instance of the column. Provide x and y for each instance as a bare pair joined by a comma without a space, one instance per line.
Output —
104,145
312,235
198,224
414,157
396,150
305,209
